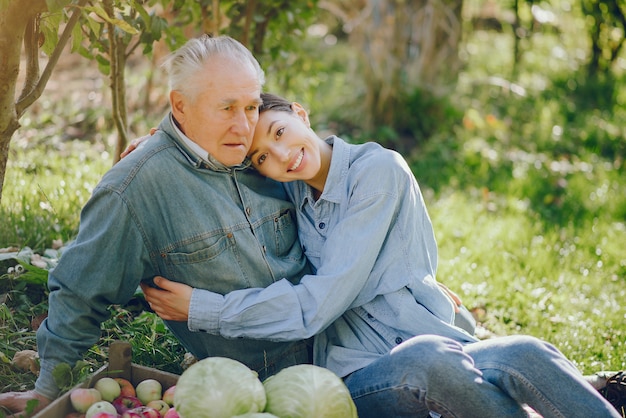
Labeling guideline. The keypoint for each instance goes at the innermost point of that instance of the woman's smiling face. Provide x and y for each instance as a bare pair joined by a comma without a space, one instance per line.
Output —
284,147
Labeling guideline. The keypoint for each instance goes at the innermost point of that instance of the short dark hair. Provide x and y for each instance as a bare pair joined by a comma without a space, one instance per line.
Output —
274,102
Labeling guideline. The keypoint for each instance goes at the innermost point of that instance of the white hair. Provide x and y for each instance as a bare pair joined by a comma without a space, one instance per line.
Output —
187,61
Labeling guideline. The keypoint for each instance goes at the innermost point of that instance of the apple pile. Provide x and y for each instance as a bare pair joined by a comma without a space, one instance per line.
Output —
115,397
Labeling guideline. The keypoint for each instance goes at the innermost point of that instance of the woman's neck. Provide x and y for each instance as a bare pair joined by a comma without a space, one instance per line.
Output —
319,181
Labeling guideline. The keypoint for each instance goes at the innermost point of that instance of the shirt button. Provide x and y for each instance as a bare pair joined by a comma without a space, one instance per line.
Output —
398,340
322,225
248,211
264,249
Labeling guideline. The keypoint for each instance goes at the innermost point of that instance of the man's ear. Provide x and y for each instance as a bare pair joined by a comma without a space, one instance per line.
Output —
301,112
178,102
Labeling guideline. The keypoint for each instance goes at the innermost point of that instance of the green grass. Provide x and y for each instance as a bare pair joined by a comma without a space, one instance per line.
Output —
562,284
527,194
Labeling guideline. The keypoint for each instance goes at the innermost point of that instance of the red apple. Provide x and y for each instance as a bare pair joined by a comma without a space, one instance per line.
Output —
168,395
127,388
141,412
105,415
82,398
124,403
171,413
149,390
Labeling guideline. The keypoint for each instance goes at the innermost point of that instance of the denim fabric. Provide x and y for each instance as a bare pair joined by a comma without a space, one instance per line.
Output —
164,211
491,378
372,244
371,240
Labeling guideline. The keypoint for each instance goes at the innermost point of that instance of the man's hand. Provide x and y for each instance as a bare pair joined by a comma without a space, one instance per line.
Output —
16,403
171,301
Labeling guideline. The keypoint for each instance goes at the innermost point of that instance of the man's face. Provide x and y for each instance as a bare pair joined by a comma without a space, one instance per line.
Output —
222,113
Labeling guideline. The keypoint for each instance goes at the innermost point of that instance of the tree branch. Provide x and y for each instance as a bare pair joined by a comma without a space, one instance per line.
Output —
36,92
31,47
250,9
116,76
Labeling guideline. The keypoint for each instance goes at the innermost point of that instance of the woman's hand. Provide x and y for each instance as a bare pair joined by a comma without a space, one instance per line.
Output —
456,300
171,301
136,142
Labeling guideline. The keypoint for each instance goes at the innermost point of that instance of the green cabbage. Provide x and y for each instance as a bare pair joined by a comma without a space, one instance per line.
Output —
307,391
257,415
218,387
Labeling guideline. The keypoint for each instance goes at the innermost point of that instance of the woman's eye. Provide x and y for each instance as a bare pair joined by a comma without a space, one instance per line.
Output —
261,159
279,132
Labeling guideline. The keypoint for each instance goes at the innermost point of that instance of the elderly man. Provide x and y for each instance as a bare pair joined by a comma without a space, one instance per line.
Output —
183,205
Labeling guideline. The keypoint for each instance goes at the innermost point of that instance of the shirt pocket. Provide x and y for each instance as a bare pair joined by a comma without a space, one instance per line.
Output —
285,234
312,246
209,263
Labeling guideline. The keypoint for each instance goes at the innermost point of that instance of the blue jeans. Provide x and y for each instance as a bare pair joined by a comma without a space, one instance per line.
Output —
490,378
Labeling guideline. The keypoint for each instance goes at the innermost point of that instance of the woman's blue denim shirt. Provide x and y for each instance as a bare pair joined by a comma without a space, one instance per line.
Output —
371,241
165,211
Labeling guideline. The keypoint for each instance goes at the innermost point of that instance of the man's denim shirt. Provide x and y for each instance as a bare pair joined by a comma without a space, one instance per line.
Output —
165,211
372,243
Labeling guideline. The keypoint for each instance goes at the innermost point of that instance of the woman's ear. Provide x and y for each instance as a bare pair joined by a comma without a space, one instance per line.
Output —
302,113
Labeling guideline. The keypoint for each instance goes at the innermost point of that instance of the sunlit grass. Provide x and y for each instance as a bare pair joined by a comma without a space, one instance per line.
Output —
527,195
562,284
45,187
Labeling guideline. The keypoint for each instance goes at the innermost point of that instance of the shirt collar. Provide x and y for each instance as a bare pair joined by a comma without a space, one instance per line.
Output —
203,154
337,173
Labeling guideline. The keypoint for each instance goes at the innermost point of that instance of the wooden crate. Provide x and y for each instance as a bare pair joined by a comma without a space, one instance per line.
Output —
120,365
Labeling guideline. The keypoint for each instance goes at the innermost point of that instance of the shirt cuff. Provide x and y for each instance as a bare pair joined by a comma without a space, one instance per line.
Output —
204,311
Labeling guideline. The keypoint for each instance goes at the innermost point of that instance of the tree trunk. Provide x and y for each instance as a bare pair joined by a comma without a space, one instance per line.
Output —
117,55
14,21
14,18
5,141
406,45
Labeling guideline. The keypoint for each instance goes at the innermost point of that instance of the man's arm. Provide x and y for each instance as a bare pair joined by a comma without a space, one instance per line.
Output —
102,267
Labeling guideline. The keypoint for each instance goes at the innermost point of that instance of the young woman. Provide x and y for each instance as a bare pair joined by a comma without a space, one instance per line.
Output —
379,317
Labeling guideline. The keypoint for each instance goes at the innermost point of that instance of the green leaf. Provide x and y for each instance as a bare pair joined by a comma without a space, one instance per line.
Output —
95,27
62,375
31,404
97,9
103,64
49,27
56,5
121,24
77,38
79,368
125,26
142,12
33,274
